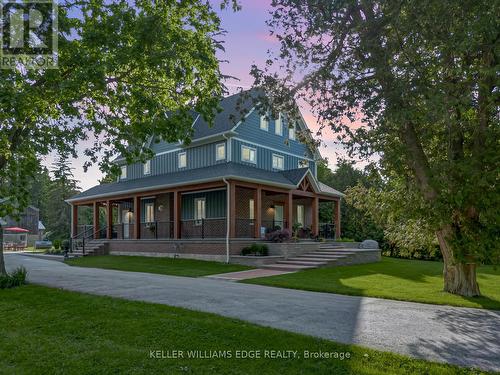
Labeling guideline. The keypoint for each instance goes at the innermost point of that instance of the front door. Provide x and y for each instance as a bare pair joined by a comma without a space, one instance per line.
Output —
126,220
278,216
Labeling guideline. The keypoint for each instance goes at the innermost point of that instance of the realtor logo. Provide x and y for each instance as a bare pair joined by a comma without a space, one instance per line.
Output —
28,34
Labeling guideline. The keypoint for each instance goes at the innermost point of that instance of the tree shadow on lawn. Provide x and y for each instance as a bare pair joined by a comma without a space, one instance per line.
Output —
473,334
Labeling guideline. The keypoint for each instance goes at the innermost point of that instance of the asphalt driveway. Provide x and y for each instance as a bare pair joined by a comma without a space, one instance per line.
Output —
463,336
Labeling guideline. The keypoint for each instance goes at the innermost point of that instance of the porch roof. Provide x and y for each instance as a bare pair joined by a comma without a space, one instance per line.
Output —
285,179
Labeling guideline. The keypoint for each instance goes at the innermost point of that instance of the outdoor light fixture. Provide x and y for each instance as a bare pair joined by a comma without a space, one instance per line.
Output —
160,207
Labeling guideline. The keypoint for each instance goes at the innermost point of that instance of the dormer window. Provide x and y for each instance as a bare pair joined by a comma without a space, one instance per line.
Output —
182,160
123,175
278,125
146,167
291,133
264,123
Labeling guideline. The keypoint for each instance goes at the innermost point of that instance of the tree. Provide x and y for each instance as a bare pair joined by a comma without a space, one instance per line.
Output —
125,72
355,222
63,186
420,83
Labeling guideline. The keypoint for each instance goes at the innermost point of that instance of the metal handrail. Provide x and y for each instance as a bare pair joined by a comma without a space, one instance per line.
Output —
84,237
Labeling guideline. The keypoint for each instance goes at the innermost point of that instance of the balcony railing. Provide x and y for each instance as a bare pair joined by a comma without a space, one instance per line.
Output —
204,228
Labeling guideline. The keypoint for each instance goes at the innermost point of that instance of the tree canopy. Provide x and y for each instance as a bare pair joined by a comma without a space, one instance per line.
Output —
414,83
126,71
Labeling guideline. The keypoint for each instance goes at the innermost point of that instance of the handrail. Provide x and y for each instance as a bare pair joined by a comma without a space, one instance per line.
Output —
83,236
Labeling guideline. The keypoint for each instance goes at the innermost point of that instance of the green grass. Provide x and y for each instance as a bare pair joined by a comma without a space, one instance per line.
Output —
400,279
163,266
50,331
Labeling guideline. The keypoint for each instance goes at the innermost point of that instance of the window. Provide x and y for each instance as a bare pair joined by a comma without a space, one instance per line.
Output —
303,163
149,212
146,167
248,154
300,214
251,209
220,151
199,210
278,162
278,125
124,172
182,160
291,133
264,123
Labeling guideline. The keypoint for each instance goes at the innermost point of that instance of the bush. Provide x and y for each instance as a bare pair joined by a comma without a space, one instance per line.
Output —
54,251
57,244
65,245
345,239
16,278
280,235
255,249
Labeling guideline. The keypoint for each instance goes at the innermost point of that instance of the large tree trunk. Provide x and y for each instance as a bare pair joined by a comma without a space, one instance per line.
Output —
459,277
2,263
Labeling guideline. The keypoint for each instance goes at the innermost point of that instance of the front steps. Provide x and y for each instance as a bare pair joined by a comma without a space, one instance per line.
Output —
92,247
328,254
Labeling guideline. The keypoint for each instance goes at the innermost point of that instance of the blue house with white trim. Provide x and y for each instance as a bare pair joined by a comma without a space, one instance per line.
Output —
235,181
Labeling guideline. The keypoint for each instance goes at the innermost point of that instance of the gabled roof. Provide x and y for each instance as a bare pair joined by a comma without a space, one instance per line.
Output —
230,170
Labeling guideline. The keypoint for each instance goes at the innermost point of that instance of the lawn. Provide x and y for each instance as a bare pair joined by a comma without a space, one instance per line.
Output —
163,266
400,279
50,331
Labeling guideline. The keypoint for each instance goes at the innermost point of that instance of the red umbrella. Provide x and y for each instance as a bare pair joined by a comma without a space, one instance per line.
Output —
17,229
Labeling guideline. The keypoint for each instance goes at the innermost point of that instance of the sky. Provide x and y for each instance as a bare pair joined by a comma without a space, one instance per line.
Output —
247,42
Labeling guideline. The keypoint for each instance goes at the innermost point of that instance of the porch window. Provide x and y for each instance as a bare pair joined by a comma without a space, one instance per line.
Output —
149,211
301,217
264,123
182,161
278,125
220,152
124,172
248,154
146,167
251,209
199,210
278,162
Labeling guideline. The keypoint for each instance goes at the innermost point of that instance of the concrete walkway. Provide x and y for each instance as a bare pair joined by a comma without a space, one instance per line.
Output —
463,336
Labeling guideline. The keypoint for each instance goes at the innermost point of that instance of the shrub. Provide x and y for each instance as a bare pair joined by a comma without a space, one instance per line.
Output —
280,235
57,244
54,251
16,278
255,249
65,245
345,239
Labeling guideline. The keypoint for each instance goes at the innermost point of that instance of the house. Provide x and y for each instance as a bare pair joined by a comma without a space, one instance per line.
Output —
23,228
234,183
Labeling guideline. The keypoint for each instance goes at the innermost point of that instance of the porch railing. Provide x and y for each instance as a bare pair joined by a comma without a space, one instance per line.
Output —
157,230
245,228
273,225
204,228
327,231
86,233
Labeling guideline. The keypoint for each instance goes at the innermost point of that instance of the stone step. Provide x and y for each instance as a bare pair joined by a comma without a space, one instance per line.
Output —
321,256
334,252
302,262
316,259
287,267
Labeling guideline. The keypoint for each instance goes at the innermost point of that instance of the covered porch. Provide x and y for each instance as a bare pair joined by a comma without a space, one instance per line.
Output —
216,210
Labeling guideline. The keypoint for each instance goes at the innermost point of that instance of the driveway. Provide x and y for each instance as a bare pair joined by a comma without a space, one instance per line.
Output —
462,336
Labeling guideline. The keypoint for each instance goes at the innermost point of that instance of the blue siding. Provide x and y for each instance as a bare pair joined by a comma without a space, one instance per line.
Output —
265,157
197,157
215,205
250,130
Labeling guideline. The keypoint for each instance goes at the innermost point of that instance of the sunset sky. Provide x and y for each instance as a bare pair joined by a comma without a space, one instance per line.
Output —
247,42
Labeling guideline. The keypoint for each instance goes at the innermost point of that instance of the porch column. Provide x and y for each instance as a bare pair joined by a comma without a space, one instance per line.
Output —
96,219
336,214
74,220
315,216
232,209
137,217
177,215
258,211
289,211
109,219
